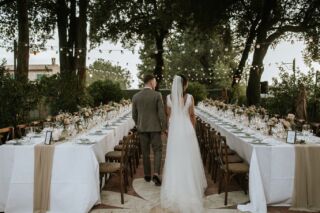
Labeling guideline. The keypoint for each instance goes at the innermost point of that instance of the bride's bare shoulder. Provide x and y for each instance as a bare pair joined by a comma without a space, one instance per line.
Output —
169,97
168,100
190,96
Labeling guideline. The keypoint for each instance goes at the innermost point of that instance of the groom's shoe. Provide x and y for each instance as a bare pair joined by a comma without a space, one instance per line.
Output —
156,180
147,178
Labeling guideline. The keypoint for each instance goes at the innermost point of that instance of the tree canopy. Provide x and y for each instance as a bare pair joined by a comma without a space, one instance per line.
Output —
264,23
105,70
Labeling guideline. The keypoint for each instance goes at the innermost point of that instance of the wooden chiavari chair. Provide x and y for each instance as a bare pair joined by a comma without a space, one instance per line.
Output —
230,170
6,134
118,168
21,130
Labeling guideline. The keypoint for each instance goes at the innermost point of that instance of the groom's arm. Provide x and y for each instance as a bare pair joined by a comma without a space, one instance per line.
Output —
161,113
134,111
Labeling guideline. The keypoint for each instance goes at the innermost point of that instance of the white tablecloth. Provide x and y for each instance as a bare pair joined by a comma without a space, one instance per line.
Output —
75,173
272,166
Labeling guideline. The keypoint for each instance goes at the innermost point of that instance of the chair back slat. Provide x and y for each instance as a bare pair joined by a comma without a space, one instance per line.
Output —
21,130
222,152
212,134
6,134
125,149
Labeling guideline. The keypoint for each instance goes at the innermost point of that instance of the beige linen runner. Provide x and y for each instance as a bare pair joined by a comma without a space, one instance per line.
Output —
306,195
43,160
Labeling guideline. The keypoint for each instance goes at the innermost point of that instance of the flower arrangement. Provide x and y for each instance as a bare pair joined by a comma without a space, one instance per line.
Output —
124,102
250,111
286,124
64,119
291,118
262,111
81,118
86,112
271,123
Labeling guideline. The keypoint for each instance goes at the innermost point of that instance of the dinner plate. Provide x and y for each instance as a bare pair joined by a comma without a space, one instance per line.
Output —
97,133
257,142
85,141
238,132
109,128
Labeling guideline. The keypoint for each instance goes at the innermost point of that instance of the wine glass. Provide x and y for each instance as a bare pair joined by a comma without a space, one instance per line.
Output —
306,131
29,133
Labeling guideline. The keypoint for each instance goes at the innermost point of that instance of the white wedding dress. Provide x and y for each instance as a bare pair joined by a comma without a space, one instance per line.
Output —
184,178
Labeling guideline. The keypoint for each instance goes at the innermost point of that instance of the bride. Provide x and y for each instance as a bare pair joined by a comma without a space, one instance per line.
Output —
184,179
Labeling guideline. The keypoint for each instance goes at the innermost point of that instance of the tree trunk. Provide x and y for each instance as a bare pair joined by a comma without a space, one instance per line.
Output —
252,34
62,22
261,48
23,41
158,71
204,61
82,42
72,37
254,89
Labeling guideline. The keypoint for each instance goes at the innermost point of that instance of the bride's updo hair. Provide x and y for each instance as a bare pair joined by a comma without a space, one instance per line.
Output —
184,82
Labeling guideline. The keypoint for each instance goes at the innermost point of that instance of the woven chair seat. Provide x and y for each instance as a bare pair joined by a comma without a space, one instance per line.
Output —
234,159
238,168
118,148
114,155
109,167
231,152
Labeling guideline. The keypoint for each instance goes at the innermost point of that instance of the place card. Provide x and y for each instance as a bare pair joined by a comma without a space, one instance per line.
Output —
291,137
48,138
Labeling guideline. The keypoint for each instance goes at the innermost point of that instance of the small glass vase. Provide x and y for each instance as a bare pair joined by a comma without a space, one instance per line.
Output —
270,130
64,133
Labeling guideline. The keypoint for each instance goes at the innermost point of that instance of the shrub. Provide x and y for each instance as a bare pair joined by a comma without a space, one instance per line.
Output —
17,100
63,94
105,91
238,95
198,91
284,92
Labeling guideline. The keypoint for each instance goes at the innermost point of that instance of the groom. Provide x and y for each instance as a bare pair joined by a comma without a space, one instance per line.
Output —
149,117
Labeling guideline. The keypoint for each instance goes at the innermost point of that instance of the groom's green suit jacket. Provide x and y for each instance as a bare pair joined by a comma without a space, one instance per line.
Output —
148,111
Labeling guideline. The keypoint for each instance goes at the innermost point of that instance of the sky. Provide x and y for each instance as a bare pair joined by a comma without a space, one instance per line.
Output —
284,52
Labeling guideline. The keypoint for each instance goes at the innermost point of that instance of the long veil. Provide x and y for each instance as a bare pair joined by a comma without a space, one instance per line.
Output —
177,96
184,180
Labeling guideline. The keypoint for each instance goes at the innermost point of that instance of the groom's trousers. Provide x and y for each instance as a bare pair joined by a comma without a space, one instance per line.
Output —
153,139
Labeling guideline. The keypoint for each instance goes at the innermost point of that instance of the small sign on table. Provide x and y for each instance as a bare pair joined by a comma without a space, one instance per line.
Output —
48,139
291,137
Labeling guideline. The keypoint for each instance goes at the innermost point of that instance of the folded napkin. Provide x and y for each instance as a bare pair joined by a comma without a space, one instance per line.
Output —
43,160
306,195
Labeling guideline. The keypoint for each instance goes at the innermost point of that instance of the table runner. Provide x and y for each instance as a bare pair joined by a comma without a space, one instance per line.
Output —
75,172
306,195
43,159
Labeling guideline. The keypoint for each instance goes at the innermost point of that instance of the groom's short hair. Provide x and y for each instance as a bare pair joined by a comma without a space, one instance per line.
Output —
147,78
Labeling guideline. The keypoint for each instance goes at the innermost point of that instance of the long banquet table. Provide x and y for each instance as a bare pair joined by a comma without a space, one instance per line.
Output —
75,172
272,165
